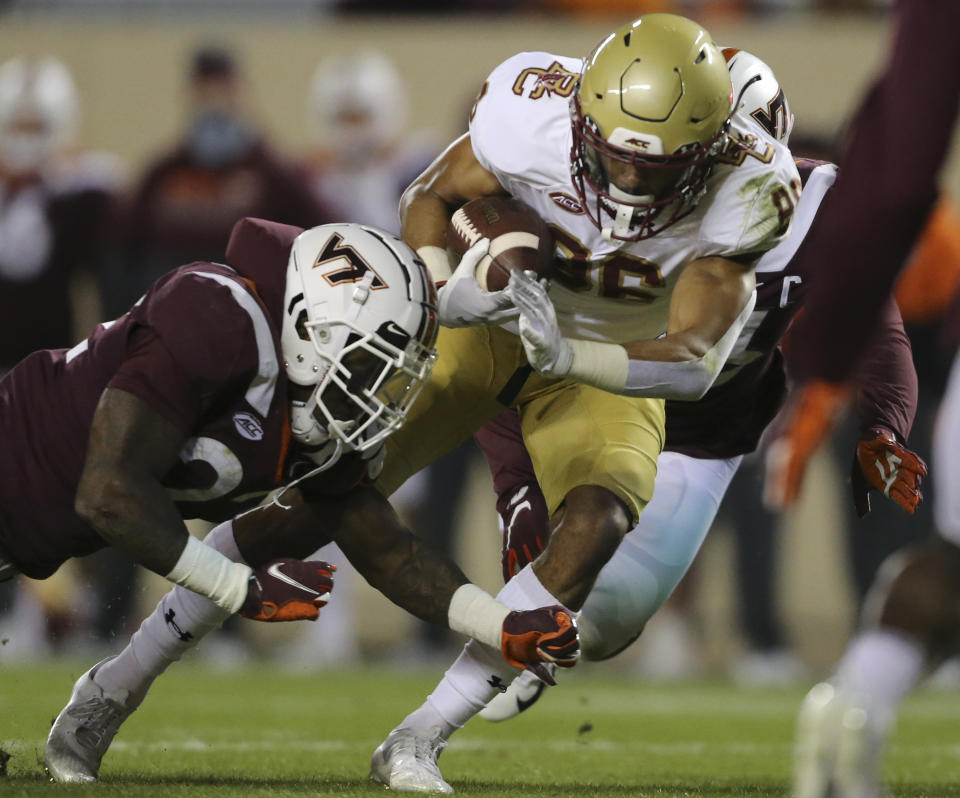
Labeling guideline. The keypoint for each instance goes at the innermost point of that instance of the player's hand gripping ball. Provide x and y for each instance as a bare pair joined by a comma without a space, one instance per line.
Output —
519,239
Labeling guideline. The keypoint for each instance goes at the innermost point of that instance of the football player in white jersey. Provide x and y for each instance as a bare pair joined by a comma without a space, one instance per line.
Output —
705,443
661,196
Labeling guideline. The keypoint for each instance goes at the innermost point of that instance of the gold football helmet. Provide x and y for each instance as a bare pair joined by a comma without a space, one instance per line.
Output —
649,116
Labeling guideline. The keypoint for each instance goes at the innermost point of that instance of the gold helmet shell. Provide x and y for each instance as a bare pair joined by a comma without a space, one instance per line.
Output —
654,94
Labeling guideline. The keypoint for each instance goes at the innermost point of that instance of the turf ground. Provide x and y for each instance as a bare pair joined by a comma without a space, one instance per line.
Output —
258,732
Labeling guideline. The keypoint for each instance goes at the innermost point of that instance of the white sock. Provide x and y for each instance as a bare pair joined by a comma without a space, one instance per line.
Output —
480,672
178,623
880,668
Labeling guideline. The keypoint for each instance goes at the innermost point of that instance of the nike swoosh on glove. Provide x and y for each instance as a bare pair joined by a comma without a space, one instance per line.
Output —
288,590
461,302
533,637
547,350
883,464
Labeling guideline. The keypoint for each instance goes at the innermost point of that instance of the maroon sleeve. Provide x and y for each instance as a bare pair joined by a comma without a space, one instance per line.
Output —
202,346
152,375
520,503
886,187
886,380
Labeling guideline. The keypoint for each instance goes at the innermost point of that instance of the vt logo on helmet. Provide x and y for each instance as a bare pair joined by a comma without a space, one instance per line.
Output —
358,332
649,119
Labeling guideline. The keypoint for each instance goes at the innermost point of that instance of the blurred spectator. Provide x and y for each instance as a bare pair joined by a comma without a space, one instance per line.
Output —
364,156
55,206
220,170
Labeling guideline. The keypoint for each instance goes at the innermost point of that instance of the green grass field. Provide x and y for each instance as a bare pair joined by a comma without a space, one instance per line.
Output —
260,732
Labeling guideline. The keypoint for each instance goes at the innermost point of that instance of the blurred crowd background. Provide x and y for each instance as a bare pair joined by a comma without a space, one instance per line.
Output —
134,133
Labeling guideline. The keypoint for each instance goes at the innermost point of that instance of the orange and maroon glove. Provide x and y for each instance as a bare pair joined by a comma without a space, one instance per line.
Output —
813,412
883,464
526,527
532,637
288,590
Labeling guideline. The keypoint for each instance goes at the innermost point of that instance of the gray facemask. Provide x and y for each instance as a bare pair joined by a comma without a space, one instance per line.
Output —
218,139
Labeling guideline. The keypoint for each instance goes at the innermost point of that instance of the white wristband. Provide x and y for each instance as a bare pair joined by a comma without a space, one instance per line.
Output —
437,262
599,364
477,614
208,572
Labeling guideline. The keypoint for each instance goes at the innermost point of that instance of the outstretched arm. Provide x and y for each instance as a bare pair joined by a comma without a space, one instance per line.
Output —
885,399
708,308
121,496
413,575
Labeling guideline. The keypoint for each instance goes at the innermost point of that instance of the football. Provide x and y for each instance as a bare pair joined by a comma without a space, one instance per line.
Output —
519,239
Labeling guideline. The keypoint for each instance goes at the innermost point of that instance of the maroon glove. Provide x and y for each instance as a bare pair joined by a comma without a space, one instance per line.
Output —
883,464
288,590
533,637
526,527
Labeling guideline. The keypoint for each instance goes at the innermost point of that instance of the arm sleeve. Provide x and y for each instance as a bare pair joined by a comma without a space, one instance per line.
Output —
193,345
151,374
886,188
886,380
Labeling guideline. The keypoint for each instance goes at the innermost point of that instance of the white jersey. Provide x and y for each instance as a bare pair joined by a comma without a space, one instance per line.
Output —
620,291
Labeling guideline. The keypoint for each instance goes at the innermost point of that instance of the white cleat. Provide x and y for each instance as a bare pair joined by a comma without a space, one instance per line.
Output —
84,729
837,749
523,693
407,761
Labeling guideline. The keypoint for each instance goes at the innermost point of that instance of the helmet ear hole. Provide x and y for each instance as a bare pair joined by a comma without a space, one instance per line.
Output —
301,326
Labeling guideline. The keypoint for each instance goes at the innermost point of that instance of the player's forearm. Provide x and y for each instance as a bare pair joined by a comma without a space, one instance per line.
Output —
393,560
886,378
681,366
418,579
133,515
424,216
136,516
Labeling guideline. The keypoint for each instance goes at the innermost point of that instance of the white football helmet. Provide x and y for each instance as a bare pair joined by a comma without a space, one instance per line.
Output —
357,104
757,93
359,328
39,111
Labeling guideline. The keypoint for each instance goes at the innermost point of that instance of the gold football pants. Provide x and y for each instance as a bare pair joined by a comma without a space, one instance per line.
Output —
576,434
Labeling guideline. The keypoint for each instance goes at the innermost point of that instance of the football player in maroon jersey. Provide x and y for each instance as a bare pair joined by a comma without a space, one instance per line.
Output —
284,371
878,212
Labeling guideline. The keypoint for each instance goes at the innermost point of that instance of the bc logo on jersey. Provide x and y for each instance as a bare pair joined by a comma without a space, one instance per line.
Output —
552,80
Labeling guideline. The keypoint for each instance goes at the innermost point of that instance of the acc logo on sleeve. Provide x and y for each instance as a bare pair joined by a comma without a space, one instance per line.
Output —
248,426
565,201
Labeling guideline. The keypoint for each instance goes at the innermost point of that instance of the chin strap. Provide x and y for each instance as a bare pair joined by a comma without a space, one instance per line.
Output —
329,462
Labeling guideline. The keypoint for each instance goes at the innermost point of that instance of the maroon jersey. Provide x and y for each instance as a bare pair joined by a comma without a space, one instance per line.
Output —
896,146
202,349
48,230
